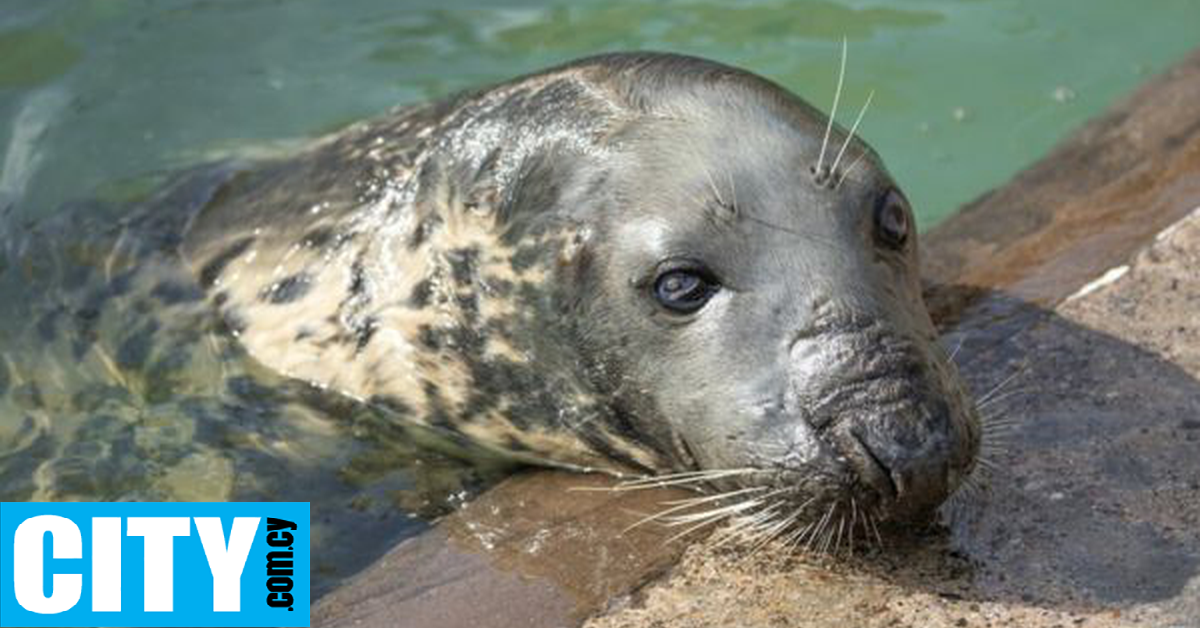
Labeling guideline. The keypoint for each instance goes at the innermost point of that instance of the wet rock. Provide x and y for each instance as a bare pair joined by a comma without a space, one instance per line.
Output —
541,549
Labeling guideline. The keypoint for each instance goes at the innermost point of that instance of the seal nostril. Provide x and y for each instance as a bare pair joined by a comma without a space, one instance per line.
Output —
873,472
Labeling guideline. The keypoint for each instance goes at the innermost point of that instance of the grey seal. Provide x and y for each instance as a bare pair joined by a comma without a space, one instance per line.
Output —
643,263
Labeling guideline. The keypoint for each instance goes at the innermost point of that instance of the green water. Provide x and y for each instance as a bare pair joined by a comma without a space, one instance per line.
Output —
100,99
966,91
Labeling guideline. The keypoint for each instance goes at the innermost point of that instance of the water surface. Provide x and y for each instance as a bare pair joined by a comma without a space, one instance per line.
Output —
966,91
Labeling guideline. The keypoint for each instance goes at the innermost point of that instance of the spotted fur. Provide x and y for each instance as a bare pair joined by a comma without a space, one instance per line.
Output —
396,263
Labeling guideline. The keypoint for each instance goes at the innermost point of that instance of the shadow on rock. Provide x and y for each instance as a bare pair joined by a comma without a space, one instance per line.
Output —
1095,494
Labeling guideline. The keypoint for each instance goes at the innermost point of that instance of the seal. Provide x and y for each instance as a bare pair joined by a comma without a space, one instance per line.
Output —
639,262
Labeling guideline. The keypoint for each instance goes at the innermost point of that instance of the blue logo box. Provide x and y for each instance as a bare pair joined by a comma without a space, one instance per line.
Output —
154,564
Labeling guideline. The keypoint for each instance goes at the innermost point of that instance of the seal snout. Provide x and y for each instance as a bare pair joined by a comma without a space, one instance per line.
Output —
906,481
885,411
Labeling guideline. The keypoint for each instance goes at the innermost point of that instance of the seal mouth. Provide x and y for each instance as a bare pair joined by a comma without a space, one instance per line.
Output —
872,471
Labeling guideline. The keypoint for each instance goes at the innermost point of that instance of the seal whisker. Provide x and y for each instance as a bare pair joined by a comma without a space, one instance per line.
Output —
837,95
684,474
1000,417
833,538
821,528
754,524
874,528
1020,371
831,532
996,444
822,546
671,479
731,533
993,450
788,521
760,520
742,523
853,129
715,519
790,538
764,537
769,522
989,466
709,515
853,522
958,347
679,479
699,526
983,480
1000,413
1001,397
754,519
998,433
973,485
714,497
811,542
799,510
683,519
684,504
794,538
776,530
998,430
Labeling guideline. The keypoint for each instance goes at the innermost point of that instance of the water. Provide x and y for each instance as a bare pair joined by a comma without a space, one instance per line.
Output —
966,91
101,99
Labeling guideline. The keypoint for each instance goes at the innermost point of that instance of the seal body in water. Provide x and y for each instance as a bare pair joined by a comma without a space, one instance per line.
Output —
640,261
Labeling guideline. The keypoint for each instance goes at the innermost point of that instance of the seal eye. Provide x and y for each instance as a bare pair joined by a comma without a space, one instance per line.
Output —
891,219
683,291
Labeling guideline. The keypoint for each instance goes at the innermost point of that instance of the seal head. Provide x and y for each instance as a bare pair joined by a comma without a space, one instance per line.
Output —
631,262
